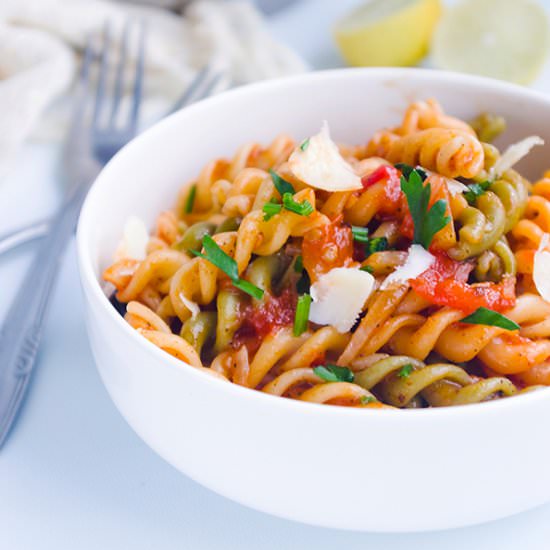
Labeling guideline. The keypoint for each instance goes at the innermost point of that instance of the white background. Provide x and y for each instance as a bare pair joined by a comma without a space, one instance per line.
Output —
73,475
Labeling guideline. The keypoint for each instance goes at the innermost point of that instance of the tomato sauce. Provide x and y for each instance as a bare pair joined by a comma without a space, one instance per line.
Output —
327,247
259,321
444,284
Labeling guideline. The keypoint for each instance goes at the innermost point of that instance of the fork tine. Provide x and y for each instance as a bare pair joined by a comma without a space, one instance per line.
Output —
87,58
201,86
83,91
207,90
103,69
138,79
189,92
119,78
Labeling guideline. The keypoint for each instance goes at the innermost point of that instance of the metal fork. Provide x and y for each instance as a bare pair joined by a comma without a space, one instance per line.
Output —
88,146
207,80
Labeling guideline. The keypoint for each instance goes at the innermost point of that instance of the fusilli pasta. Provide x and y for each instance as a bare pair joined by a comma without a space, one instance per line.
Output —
444,309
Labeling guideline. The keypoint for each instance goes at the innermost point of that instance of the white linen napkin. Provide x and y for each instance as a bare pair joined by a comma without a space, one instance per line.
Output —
40,42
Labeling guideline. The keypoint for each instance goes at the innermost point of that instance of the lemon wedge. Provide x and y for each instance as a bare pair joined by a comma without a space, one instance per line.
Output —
387,32
505,39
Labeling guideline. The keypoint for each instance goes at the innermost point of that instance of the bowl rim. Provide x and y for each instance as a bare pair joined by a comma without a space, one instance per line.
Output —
92,284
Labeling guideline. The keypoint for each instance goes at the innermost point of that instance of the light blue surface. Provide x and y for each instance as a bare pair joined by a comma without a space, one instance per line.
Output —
73,475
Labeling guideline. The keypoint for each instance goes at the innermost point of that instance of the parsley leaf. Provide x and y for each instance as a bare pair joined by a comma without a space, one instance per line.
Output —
484,316
427,221
190,201
303,208
302,314
271,208
475,190
334,373
281,184
216,256
304,145
406,170
405,371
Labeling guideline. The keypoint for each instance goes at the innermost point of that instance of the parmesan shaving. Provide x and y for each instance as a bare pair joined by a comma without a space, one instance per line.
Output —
318,163
541,268
339,296
514,154
454,187
190,305
418,260
135,238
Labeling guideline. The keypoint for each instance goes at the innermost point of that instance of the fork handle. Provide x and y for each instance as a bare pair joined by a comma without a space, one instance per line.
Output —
23,325
22,235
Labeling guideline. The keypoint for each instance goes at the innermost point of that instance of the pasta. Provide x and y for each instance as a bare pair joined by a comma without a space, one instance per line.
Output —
401,273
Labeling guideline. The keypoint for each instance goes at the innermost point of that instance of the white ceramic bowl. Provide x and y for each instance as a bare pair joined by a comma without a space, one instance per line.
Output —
357,469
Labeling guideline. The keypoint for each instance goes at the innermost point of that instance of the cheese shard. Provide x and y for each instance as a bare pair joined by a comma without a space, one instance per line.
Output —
541,268
514,154
135,238
339,296
190,305
418,260
454,187
318,163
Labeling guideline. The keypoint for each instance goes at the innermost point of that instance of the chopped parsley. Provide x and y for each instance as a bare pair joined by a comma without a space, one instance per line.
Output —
377,244
484,316
360,234
334,373
405,371
366,399
367,268
271,208
303,284
303,208
190,201
427,221
216,256
281,184
475,190
302,314
305,144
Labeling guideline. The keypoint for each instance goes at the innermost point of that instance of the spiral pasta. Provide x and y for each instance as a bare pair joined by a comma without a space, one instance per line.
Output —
237,274
493,215
449,152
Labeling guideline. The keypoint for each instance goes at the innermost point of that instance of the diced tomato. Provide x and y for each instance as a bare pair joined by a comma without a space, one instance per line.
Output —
444,284
275,312
257,321
392,187
327,247
321,359
443,239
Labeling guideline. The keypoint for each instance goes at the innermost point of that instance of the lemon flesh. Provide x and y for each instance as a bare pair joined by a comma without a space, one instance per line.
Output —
387,32
505,39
